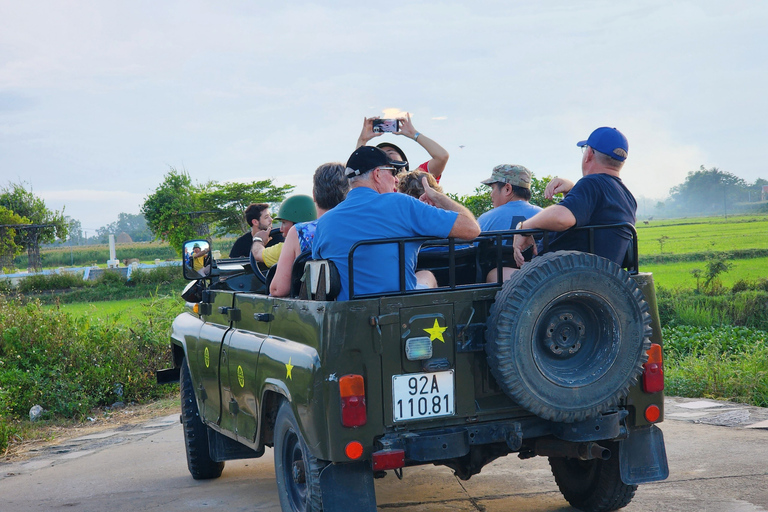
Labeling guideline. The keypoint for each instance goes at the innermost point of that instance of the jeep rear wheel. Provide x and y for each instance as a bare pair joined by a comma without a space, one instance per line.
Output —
199,461
592,485
568,335
297,470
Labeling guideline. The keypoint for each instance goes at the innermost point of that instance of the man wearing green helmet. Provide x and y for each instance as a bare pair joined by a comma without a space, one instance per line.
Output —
298,208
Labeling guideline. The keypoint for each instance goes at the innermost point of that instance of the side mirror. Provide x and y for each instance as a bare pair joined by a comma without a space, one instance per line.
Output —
197,259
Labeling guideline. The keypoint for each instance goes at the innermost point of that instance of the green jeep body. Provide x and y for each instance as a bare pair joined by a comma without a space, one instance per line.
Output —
260,371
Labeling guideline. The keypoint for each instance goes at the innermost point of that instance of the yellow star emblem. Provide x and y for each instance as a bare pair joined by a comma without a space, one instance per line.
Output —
436,332
288,368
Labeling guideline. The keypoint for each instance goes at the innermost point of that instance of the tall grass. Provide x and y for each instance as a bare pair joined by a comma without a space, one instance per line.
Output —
747,308
724,362
67,288
69,364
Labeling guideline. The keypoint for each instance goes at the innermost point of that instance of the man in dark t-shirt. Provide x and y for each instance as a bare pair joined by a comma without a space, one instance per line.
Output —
598,198
258,217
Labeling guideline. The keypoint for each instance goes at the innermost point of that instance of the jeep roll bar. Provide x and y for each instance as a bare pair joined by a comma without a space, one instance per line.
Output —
498,238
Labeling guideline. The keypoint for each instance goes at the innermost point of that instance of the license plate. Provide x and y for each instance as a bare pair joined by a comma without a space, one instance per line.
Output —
422,395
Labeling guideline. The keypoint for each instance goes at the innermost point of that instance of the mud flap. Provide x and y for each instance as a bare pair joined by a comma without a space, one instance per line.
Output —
643,457
346,487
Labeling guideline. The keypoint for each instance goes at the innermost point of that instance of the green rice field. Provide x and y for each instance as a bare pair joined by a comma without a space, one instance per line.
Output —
678,275
703,234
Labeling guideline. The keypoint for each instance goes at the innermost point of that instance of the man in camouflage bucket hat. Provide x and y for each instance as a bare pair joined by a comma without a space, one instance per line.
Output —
510,193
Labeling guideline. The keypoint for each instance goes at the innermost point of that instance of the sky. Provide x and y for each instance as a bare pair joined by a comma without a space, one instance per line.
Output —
99,100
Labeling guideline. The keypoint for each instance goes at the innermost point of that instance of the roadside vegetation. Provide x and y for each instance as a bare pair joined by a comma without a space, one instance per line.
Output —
72,363
71,345
68,288
711,278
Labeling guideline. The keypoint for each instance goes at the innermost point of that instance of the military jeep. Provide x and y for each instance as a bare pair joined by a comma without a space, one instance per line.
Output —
563,360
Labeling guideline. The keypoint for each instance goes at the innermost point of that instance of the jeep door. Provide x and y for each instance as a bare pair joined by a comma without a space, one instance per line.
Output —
206,354
239,360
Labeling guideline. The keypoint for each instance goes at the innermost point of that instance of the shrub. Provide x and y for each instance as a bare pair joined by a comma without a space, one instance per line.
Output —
111,277
166,274
727,362
71,364
686,307
743,285
44,282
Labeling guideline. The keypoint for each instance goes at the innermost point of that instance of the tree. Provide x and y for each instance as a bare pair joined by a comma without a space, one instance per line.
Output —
707,191
24,203
9,249
75,231
537,192
135,225
167,209
756,189
716,265
180,210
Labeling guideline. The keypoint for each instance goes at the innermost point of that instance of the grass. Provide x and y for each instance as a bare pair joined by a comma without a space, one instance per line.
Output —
120,311
678,274
717,362
703,235
70,363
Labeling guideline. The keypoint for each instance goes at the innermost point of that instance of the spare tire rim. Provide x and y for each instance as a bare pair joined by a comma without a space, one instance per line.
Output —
577,339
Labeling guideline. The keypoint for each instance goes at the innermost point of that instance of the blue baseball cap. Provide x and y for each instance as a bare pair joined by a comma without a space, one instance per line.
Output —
609,141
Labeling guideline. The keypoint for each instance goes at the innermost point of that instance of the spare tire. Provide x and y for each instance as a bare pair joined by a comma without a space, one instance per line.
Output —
568,335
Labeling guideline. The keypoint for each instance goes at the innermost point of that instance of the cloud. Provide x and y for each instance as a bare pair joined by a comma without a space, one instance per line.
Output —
393,113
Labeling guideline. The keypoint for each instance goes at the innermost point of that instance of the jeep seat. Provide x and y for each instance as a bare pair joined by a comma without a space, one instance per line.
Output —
321,281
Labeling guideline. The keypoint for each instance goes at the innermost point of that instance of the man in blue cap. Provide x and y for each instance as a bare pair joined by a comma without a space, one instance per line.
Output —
598,198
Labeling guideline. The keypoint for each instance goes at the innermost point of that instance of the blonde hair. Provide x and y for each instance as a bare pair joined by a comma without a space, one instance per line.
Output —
410,183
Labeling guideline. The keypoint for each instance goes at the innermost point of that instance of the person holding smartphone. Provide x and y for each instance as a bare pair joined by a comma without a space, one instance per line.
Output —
404,126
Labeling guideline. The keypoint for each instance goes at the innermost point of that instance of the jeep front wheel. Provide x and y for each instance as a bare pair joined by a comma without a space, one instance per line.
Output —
297,470
568,335
199,461
592,485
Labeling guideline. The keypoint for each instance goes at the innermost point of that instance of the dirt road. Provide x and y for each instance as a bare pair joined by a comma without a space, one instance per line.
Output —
713,467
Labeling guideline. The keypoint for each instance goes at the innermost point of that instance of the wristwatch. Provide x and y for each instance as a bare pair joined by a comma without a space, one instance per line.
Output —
258,239
519,225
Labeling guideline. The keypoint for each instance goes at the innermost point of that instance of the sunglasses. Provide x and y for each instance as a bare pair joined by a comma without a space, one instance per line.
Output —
393,170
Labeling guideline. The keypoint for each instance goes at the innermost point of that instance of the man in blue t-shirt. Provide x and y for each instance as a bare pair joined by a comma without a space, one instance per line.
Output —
598,198
374,211
510,193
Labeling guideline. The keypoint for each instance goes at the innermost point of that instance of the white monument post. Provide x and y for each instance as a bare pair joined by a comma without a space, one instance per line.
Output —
112,261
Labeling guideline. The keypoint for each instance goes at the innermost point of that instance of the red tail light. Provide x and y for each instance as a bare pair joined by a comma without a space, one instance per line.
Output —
388,459
653,373
353,410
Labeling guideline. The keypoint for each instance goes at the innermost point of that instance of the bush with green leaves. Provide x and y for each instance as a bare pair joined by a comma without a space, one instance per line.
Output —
725,362
36,283
748,308
165,274
71,364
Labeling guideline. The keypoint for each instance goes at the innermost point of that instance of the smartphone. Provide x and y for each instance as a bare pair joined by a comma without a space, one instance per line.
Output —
386,125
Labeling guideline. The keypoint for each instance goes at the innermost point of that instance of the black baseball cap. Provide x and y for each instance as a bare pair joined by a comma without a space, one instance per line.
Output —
397,149
366,158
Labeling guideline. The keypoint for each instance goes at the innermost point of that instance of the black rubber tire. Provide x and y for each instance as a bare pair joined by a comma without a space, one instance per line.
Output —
199,461
568,335
296,469
592,485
